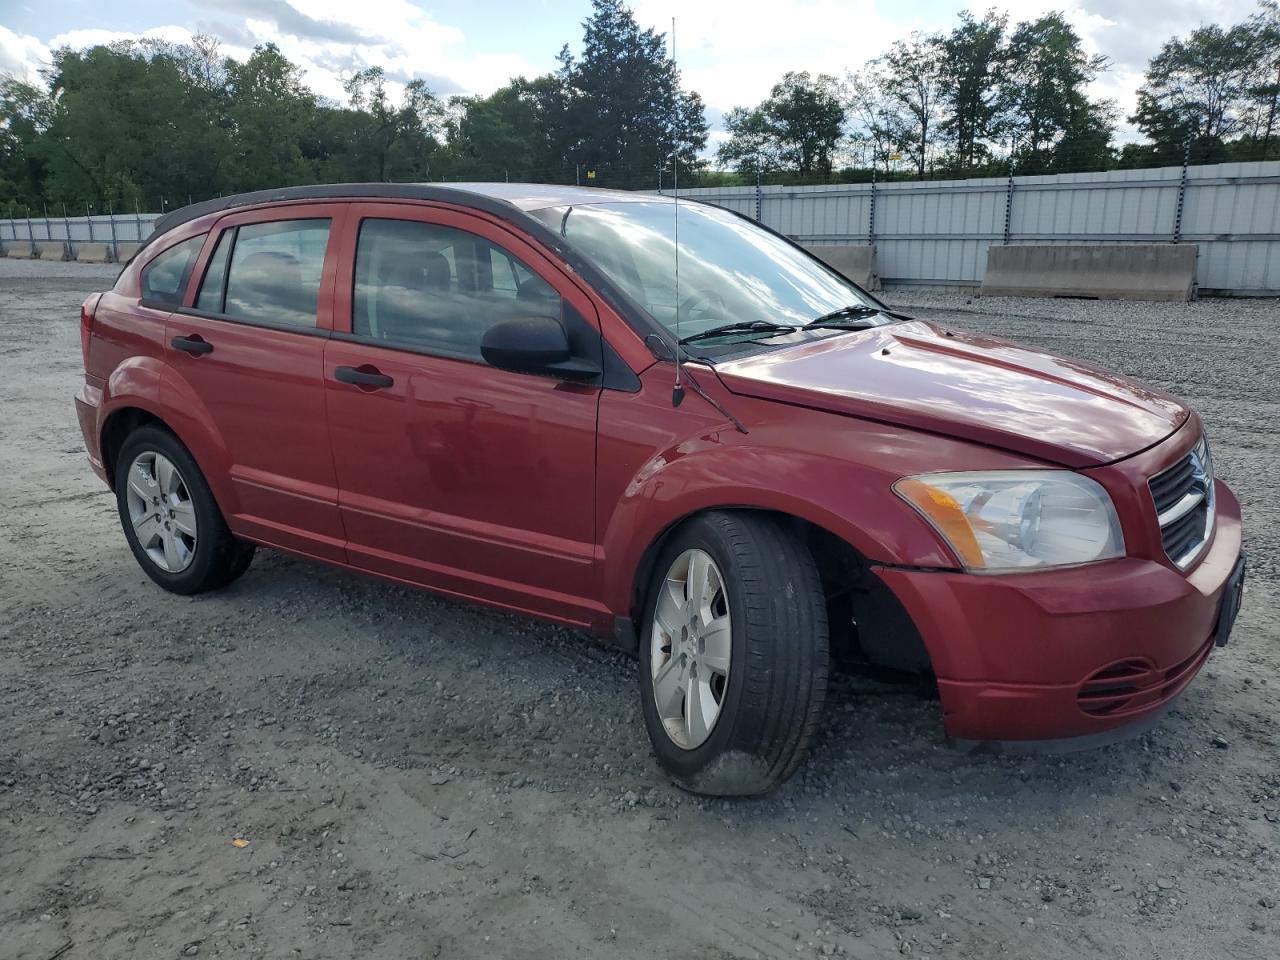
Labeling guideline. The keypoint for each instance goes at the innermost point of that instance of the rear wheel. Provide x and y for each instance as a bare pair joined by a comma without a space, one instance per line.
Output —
733,654
169,516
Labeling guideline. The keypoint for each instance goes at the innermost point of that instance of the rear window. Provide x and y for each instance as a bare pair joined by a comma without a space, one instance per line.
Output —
267,273
164,279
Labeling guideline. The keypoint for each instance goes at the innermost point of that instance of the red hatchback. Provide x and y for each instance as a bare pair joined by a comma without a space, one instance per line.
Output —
475,389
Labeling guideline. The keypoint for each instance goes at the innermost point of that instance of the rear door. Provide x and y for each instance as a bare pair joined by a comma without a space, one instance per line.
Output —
250,342
452,473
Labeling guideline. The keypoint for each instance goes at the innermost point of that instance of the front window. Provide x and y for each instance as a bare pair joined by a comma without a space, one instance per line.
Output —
438,289
731,271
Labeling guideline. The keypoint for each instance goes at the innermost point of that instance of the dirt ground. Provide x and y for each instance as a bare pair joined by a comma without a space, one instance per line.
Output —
417,778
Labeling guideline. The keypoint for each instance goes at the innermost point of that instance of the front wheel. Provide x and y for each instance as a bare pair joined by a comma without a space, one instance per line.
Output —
733,653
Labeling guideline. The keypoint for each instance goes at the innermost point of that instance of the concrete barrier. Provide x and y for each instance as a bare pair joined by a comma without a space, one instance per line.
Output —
93,252
18,250
857,261
125,250
51,249
1105,271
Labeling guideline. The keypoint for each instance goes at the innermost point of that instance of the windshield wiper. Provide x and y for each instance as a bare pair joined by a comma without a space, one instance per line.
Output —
753,326
846,317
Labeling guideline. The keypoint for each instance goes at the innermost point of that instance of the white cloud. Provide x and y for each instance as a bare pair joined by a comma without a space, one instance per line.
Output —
21,55
78,39
403,39
733,51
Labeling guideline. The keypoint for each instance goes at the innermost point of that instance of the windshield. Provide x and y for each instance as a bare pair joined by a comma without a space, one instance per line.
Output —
731,271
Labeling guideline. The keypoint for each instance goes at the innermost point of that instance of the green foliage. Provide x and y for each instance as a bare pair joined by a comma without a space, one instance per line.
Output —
149,120
912,82
973,61
623,103
798,128
1043,89
1213,87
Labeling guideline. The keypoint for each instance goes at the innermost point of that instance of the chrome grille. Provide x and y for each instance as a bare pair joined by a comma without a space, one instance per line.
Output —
1183,496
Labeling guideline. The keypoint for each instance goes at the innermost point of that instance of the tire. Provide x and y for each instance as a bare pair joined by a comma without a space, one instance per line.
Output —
765,707
170,518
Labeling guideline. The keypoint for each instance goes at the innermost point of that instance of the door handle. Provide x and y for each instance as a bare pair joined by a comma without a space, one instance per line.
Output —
194,345
369,377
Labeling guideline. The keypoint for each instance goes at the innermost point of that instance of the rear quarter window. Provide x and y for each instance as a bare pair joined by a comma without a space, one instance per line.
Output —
164,279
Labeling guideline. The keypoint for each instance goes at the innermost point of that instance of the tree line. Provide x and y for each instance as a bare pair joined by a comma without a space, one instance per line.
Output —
149,122
988,95
153,123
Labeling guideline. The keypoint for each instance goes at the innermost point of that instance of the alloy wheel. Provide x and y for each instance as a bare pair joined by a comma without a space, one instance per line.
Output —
691,648
161,511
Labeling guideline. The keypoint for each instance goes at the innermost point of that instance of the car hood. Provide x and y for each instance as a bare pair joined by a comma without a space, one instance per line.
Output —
920,375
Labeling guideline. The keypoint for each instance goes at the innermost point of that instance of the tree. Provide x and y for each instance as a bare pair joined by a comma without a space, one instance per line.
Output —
502,136
798,127
624,111
871,117
912,81
381,141
110,111
973,60
25,114
1215,91
1265,91
1085,143
271,114
1043,88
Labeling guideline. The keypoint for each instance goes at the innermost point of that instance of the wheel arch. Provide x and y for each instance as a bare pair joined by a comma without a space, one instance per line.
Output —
146,390
867,620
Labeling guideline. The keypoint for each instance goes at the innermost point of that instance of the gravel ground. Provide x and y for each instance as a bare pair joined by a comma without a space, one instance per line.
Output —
314,764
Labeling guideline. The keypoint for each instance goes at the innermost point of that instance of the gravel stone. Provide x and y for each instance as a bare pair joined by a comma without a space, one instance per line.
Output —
371,739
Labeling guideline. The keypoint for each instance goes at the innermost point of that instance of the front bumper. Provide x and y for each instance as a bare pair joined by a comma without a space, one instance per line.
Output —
1068,653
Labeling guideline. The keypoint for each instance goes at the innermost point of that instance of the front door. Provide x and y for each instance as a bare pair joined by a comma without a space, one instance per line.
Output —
451,473
251,346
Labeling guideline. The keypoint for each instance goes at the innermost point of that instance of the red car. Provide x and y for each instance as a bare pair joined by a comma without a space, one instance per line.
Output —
475,389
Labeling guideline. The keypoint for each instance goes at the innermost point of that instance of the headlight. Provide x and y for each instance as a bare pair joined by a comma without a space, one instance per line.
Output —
1002,520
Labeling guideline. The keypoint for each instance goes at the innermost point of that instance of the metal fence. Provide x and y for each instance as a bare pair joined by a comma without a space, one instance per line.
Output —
938,232
111,230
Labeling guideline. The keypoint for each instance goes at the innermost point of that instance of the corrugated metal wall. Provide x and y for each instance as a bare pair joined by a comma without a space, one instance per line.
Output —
122,228
937,232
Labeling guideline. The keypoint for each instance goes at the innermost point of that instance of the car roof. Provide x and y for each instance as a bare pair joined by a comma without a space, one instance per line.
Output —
501,199
538,196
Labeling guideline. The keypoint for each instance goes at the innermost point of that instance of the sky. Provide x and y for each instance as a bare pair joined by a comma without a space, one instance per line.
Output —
730,51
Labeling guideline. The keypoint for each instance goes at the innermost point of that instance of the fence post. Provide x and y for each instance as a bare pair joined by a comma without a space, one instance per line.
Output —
1008,205
31,234
111,219
759,193
88,216
871,212
1182,192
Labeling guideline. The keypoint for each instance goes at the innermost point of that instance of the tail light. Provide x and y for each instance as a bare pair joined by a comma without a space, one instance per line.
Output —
87,310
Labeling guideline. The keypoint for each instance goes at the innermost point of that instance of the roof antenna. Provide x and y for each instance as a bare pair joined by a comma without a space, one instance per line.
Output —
677,391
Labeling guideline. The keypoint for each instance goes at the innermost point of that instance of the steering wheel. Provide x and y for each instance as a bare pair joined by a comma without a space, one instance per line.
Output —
699,307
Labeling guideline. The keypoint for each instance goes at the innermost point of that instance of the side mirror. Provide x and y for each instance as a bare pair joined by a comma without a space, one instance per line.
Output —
534,345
